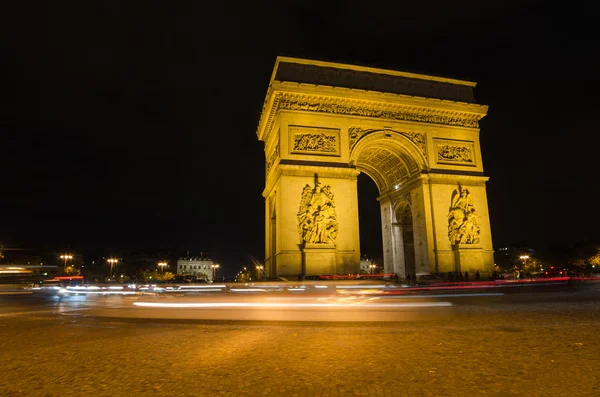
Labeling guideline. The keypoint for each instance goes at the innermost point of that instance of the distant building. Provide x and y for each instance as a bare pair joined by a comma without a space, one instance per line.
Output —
201,267
507,257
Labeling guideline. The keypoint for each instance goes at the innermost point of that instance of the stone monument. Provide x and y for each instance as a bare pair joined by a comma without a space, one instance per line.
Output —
416,136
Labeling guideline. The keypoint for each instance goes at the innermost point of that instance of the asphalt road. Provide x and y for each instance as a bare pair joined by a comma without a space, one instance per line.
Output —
524,342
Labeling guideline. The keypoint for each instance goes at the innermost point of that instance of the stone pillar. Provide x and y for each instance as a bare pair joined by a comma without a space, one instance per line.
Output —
389,257
272,266
399,254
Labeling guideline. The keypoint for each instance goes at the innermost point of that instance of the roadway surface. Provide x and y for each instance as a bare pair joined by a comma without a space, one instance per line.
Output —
538,341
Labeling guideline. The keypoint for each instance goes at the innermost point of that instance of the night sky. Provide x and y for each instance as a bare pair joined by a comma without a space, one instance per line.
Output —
132,125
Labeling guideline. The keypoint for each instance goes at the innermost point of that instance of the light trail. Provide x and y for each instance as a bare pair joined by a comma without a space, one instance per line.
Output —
290,306
443,296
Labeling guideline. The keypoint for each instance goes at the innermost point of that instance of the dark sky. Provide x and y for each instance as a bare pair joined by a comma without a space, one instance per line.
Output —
131,125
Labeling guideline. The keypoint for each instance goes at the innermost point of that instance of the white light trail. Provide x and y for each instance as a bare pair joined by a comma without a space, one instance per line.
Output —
203,286
291,306
360,286
443,295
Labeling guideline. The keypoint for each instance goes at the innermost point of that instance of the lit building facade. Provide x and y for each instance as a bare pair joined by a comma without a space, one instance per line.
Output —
200,267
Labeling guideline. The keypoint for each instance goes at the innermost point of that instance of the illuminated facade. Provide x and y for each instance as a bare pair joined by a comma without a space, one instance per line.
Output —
196,266
416,136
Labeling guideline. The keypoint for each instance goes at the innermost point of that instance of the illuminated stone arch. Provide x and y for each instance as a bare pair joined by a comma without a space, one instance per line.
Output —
416,136
388,157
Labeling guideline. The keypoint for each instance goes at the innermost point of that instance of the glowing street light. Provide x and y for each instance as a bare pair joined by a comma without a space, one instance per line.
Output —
162,266
214,270
66,257
373,268
260,269
112,261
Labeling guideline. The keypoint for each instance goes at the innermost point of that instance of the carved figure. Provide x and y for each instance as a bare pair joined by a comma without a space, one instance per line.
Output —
462,200
460,154
463,226
317,218
315,143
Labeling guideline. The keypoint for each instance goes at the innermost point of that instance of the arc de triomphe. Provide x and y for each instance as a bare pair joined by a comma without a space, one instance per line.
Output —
416,136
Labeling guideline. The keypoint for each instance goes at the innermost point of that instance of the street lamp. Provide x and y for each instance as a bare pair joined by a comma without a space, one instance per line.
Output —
162,266
260,269
214,271
372,268
66,257
112,261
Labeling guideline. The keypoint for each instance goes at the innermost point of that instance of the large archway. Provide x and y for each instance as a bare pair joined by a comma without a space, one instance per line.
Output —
395,160
415,136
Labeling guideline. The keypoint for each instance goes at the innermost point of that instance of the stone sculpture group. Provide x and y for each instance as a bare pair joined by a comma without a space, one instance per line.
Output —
463,226
317,219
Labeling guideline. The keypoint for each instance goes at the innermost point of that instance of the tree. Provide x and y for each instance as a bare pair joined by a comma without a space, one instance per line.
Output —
156,275
72,271
594,260
585,256
532,265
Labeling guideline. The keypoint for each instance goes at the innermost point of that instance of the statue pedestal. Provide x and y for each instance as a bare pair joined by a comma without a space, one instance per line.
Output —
318,259
468,258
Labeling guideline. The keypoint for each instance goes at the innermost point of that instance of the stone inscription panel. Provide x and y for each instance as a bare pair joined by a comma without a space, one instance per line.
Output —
312,140
455,152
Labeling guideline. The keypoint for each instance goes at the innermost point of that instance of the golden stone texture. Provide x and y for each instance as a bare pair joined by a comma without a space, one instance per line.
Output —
416,136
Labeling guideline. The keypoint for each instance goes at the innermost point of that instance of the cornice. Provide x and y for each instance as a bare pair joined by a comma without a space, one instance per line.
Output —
350,102
309,172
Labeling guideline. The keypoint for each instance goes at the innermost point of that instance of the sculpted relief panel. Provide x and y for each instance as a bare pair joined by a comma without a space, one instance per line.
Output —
463,226
308,140
271,160
455,152
355,133
317,218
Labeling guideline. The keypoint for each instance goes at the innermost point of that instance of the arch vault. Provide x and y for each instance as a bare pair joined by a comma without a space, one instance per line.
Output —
416,136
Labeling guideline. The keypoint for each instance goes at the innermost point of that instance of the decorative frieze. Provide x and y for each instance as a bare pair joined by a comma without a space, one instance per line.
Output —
384,111
455,152
315,143
311,140
278,100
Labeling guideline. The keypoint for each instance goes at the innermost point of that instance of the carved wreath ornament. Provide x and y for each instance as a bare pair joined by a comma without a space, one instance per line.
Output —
463,226
317,218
